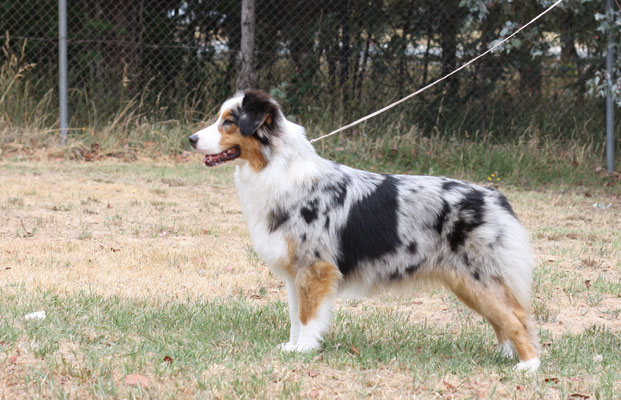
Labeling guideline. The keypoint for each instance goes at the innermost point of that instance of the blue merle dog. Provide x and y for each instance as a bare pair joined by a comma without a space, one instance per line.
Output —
329,230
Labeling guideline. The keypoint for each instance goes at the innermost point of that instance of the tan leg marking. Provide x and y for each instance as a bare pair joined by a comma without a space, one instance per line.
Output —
499,306
315,283
500,335
524,318
291,253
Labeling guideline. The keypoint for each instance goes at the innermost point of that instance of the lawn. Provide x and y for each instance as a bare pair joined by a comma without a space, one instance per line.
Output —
152,289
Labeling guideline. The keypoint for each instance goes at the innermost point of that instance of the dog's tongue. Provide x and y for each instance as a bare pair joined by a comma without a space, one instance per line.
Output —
229,154
213,158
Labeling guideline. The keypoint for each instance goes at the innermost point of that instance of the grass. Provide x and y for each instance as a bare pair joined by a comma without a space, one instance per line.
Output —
225,348
147,268
529,161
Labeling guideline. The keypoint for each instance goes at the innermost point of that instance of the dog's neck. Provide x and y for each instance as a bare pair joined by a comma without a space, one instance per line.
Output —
291,159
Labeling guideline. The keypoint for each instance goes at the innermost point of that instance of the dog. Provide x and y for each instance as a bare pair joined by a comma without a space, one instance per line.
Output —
330,230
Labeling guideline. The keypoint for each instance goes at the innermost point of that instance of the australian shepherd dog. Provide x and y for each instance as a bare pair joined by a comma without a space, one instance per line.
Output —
330,230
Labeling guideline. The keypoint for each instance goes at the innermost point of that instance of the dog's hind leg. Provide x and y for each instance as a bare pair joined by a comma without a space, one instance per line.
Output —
316,288
505,346
511,322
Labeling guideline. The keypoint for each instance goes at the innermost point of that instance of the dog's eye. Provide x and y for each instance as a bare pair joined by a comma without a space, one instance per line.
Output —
227,122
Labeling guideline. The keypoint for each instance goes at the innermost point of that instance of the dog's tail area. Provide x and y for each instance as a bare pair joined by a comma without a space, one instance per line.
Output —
516,264
516,269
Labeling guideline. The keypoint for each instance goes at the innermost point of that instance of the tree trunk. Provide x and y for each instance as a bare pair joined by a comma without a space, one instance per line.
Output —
487,70
363,67
426,57
247,78
568,47
344,49
331,56
448,41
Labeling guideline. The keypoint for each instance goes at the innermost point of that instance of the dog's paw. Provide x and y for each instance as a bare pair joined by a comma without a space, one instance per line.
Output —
507,349
531,365
299,347
304,347
287,346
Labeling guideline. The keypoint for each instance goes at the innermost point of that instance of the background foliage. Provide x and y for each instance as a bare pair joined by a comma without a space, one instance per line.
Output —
328,62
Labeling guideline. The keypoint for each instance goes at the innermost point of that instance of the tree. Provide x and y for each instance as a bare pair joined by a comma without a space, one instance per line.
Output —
247,77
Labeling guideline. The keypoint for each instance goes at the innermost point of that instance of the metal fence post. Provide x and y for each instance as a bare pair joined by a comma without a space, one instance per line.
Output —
62,67
610,111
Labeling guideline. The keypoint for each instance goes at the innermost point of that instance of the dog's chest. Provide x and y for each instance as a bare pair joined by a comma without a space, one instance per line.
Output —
269,243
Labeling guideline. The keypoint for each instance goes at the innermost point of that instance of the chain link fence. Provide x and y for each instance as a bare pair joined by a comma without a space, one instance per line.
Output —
327,62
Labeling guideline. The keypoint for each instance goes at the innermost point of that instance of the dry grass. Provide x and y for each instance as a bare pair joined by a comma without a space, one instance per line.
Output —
126,235
175,232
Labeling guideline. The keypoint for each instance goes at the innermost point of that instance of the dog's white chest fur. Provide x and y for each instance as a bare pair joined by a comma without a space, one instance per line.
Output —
271,247
259,195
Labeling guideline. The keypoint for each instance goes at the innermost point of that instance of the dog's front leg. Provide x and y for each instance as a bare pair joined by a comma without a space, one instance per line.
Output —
294,332
316,287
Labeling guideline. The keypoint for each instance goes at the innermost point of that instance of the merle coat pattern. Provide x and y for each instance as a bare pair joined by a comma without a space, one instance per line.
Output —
329,230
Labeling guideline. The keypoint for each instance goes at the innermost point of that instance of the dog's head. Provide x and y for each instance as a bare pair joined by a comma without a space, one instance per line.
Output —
244,129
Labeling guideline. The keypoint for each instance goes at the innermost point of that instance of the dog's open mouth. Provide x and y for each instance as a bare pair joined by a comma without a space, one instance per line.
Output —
211,160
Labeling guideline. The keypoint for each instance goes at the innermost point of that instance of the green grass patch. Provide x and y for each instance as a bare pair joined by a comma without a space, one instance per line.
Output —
228,347
529,161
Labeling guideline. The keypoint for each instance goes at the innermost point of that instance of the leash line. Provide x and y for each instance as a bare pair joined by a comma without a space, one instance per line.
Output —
388,107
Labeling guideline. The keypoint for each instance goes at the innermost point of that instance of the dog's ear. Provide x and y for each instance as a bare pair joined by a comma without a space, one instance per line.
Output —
257,109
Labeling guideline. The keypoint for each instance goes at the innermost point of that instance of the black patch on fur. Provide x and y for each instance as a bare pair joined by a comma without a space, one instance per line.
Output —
470,216
276,218
303,237
497,240
234,114
395,276
338,192
448,185
504,203
371,228
441,218
257,110
310,211
466,260
410,269
317,254
263,139
476,276
412,247
326,225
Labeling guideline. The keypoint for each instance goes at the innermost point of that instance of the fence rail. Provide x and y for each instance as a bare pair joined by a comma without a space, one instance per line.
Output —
329,61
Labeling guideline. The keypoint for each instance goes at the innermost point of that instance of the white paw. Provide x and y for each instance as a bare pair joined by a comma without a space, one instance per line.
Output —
507,349
304,347
298,347
531,365
287,346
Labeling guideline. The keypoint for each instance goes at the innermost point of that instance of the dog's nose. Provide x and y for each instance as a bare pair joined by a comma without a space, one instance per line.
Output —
193,140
